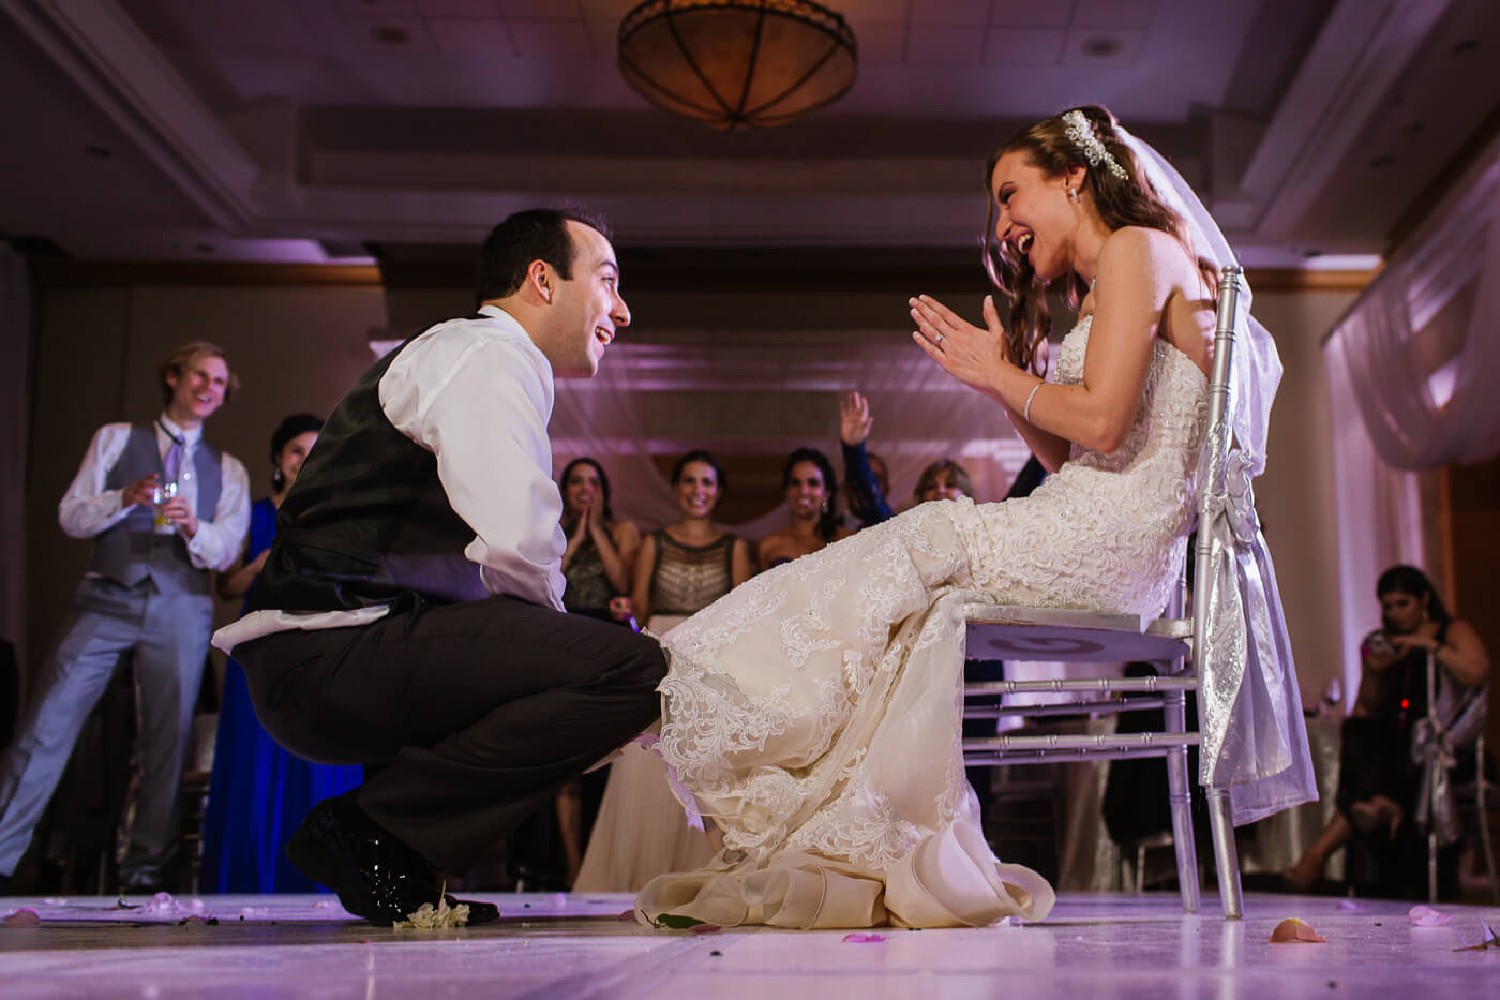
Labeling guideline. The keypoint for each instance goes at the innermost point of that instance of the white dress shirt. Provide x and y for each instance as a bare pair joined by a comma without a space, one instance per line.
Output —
87,508
478,394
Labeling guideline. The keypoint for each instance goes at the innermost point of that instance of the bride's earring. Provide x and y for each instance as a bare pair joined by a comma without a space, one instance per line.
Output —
1073,195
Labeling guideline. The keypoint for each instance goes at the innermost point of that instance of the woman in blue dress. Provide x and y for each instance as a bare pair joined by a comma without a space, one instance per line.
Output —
260,792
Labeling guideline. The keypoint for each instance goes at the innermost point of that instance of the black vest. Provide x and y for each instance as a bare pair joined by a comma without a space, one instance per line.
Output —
367,522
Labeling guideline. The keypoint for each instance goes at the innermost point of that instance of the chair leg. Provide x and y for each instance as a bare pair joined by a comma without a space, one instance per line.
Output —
1489,848
1226,855
1180,796
1432,860
1140,868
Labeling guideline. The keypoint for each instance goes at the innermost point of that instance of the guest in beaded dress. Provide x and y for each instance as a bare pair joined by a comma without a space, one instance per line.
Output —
684,567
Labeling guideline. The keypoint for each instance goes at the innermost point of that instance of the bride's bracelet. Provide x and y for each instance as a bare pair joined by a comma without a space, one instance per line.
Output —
1026,410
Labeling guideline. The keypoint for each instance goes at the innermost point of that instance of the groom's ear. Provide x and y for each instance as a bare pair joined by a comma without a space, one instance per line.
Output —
541,281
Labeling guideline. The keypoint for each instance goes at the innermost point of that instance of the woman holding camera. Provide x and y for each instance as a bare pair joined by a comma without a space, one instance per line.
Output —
1378,778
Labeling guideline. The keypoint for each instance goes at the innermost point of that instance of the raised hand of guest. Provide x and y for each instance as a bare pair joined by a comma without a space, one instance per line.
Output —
854,418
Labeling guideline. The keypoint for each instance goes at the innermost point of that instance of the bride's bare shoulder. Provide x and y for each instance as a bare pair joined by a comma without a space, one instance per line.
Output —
1142,246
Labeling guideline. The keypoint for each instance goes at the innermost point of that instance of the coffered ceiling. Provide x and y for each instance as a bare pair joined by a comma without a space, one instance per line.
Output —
313,130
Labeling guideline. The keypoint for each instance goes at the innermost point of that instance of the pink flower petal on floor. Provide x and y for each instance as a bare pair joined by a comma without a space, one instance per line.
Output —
1426,916
23,917
162,902
864,938
1351,906
704,929
1294,931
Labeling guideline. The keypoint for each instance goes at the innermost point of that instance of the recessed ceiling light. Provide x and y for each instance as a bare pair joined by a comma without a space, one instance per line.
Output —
1101,47
390,34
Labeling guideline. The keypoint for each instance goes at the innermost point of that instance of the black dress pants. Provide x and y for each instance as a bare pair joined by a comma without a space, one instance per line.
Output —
478,712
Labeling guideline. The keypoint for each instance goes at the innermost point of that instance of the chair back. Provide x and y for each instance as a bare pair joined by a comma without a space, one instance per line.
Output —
1213,466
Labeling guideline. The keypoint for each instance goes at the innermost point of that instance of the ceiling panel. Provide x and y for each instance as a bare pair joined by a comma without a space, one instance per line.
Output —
396,120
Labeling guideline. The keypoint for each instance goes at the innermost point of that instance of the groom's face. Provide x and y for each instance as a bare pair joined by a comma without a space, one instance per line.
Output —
587,308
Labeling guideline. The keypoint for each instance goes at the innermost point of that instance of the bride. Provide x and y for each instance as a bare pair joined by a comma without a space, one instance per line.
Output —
814,713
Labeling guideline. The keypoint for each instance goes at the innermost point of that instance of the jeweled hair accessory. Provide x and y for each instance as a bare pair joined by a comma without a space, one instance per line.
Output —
1081,131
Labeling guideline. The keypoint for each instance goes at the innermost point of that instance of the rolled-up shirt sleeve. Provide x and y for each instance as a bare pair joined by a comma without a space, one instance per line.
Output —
480,403
220,539
87,508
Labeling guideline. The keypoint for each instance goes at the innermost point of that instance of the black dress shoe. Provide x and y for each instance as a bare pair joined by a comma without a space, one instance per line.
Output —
375,875
479,912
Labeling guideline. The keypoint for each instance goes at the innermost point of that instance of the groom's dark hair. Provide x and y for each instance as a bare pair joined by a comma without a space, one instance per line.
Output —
534,234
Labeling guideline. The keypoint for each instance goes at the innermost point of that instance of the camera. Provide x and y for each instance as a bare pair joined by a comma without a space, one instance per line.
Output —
1377,644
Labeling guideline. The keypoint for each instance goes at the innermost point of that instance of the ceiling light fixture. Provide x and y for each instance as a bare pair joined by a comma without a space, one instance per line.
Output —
735,64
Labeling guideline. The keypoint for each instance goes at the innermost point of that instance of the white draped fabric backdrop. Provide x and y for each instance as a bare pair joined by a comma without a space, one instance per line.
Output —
1411,371
769,392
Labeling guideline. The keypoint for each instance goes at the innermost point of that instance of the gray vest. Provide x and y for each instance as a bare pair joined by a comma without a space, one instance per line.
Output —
130,551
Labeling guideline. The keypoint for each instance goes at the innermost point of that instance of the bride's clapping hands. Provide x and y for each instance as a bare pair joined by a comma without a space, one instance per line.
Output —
969,353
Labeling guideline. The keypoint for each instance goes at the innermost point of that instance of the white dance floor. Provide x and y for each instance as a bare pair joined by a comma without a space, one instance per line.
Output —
557,946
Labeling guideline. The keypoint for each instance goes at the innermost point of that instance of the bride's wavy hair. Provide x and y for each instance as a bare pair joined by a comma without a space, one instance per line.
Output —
1120,202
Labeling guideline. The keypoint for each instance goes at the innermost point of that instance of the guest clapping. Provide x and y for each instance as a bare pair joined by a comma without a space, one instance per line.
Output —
599,561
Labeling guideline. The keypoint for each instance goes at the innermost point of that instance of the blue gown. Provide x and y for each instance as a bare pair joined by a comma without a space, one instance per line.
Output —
259,792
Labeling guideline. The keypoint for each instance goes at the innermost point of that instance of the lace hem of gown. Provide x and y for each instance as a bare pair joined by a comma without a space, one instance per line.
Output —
837,778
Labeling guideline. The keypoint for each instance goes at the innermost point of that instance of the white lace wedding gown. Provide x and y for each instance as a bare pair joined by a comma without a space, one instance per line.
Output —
814,712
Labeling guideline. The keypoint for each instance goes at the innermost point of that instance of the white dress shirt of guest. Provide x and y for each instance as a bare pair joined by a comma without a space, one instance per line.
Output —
89,508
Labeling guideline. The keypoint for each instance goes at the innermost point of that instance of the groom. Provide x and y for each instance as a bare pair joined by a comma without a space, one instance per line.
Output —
410,612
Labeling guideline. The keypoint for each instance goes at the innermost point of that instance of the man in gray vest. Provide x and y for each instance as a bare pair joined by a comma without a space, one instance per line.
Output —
165,510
